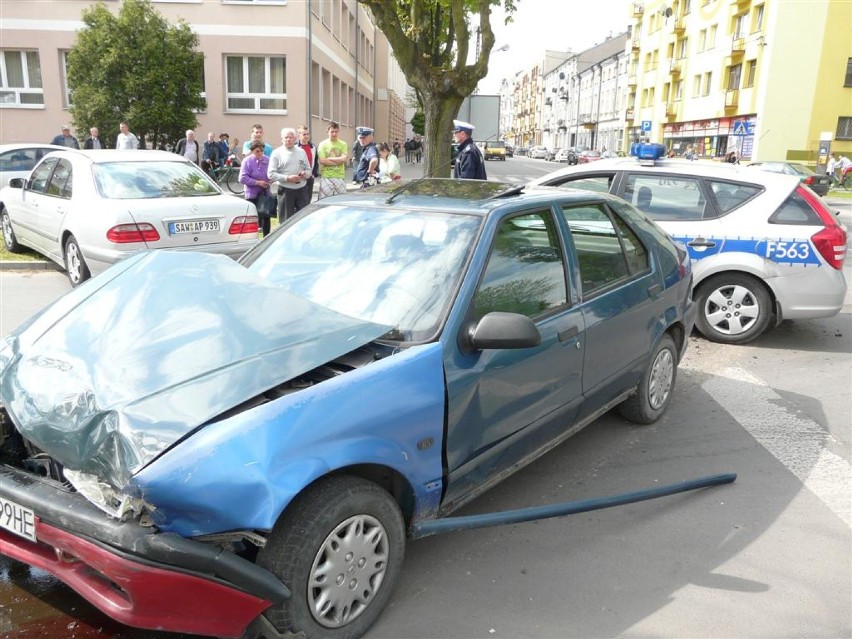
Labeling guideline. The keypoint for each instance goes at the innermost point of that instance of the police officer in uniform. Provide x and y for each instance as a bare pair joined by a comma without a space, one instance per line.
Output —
368,165
469,163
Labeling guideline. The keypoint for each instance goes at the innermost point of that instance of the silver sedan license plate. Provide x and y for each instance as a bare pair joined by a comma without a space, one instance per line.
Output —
17,519
194,226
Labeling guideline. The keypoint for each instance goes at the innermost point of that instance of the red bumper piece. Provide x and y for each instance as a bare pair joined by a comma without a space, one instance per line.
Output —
134,593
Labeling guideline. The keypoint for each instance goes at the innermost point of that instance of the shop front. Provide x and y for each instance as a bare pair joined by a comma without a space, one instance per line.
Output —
712,138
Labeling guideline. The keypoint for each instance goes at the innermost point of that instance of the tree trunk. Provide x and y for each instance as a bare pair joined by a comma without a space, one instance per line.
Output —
440,112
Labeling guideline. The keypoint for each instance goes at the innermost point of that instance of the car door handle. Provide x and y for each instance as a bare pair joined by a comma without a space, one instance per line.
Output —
700,241
654,290
568,333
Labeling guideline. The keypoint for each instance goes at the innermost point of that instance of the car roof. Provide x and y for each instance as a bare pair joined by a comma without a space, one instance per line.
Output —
477,197
700,168
101,156
30,145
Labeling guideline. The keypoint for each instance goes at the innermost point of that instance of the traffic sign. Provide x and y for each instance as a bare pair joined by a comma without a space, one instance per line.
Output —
646,126
743,127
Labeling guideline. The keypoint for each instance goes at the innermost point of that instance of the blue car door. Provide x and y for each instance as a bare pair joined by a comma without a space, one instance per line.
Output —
503,405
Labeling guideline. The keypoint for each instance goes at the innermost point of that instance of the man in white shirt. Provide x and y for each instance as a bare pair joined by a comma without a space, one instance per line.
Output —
188,147
289,167
126,140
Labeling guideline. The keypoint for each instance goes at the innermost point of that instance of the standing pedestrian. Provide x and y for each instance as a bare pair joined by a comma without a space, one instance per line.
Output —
368,165
126,141
94,140
255,180
188,147
310,150
211,154
257,134
333,156
830,168
288,166
469,162
65,138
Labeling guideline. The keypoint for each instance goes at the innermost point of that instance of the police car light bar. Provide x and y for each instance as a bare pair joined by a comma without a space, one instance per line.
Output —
647,153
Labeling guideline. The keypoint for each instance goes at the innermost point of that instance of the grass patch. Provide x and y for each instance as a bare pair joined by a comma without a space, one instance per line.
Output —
26,255
840,194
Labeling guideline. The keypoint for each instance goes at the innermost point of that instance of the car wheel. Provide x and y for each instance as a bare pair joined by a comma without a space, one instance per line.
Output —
9,238
339,548
75,265
732,309
652,397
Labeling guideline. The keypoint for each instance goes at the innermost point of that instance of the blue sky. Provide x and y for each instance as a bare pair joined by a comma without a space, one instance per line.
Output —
550,24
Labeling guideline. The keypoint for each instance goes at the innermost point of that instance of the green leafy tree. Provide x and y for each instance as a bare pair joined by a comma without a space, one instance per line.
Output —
136,67
418,123
431,41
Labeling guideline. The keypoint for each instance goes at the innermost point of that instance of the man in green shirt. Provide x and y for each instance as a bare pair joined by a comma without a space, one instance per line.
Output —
333,155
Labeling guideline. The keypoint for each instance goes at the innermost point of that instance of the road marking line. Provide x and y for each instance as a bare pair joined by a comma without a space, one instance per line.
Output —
798,443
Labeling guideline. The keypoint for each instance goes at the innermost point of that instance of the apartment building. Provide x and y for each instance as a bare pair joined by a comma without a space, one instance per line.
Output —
765,78
274,62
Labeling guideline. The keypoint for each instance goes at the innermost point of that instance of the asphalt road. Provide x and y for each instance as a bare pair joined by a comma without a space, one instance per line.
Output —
767,556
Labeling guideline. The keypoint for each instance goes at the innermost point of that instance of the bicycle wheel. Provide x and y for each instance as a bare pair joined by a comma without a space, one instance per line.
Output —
232,179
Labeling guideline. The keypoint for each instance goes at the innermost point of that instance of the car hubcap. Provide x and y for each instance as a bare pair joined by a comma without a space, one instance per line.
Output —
731,310
660,384
72,262
348,571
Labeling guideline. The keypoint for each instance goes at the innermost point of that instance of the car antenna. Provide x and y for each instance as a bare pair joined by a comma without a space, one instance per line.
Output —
409,185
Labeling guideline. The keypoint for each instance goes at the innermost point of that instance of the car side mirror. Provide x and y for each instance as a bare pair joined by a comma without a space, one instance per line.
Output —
16,183
498,330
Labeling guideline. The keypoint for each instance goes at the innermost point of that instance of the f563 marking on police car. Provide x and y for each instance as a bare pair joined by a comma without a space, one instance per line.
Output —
795,252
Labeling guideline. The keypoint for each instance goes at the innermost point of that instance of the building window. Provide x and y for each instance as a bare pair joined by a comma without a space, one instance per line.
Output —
696,85
740,25
678,90
757,22
734,74
63,69
708,79
702,39
751,72
844,128
256,83
711,36
20,79
848,81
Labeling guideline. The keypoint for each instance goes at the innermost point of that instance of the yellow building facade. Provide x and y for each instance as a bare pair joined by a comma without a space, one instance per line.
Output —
765,78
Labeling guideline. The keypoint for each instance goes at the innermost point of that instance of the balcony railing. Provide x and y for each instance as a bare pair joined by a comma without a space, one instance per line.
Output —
587,120
737,45
675,67
630,115
671,109
679,25
732,98
638,10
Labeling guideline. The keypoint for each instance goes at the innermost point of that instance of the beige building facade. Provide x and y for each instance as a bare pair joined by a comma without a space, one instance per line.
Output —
273,62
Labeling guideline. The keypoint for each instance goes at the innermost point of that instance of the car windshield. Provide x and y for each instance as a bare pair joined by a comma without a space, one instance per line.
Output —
145,180
498,144
389,266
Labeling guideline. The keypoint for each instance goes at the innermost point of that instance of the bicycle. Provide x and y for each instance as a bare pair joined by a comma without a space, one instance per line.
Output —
228,175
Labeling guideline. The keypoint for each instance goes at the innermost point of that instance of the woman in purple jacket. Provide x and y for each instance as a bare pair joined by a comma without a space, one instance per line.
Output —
254,180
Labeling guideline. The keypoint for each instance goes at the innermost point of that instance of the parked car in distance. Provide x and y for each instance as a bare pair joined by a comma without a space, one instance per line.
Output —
562,155
765,248
538,152
510,151
494,150
17,160
522,151
574,154
819,184
551,154
260,438
589,155
86,210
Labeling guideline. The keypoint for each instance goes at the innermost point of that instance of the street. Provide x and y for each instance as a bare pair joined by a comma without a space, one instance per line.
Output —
767,556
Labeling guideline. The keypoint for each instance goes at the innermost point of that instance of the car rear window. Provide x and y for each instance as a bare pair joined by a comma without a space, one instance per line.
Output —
796,210
148,180
730,195
666,197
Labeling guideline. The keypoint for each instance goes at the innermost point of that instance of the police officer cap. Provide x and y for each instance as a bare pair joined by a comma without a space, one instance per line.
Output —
467,127
363,130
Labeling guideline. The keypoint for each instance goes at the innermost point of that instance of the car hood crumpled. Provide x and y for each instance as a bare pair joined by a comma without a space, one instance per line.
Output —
119,369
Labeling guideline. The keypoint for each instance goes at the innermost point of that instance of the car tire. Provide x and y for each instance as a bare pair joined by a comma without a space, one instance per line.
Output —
9,238
331,519
75,264
732,308
652,397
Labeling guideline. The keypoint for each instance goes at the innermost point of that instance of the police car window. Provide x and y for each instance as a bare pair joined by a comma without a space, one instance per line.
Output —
730,195
666,197
60,182
38,178
18,160
598,243
525,272
595,183
795,210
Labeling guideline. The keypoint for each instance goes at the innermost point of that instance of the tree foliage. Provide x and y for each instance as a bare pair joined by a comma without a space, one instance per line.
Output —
136,67
418,123
431,41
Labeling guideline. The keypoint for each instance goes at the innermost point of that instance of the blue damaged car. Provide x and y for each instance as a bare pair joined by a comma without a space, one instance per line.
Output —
242,449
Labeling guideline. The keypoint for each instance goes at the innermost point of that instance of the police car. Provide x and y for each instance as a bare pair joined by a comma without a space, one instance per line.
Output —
764,247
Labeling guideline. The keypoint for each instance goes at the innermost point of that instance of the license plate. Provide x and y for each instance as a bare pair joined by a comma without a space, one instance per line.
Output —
194,226
17,519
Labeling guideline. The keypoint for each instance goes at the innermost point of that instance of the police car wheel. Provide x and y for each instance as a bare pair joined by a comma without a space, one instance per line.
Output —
339,547
732,308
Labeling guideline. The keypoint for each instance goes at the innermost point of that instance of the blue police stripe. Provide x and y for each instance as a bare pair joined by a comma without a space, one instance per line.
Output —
780,251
